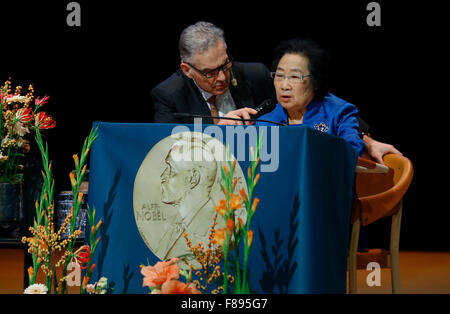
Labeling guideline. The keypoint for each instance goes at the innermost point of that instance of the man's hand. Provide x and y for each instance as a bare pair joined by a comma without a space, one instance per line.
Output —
243,113
377,149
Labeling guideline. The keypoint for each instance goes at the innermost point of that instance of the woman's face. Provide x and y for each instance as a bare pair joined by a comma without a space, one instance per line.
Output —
292,93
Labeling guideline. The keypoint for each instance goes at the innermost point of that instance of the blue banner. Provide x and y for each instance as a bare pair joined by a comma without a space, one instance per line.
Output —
301,227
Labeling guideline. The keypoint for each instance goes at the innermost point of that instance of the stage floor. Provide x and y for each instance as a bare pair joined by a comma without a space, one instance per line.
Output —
420,272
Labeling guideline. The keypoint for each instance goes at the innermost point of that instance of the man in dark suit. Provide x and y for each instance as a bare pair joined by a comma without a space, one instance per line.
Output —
180,94
209,83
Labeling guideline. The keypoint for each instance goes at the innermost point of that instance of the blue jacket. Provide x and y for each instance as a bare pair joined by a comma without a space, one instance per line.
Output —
331,115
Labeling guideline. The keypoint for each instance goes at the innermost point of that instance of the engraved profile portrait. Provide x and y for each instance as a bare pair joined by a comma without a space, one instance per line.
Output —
175,190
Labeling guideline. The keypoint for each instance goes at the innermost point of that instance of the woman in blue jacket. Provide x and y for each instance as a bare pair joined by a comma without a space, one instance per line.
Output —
301,83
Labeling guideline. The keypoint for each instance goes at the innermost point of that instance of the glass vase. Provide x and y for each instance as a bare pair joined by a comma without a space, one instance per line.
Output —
11,209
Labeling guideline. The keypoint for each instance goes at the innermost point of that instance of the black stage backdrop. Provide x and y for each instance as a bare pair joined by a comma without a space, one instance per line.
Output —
105,69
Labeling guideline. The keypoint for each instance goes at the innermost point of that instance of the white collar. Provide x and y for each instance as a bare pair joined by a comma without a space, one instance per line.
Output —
224,102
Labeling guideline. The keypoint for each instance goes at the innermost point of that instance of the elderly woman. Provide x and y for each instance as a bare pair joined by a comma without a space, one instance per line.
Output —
301,84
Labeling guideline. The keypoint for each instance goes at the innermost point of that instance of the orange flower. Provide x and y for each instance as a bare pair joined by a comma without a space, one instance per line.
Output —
249,238
42,244
221,208
76,160
85,282
30,271
219,236
243,194
255,204
235,181
224,190
256,179
257,161
240,223
155,276
84,168
230,225
72,179
225,169
235,201
178,287
80,197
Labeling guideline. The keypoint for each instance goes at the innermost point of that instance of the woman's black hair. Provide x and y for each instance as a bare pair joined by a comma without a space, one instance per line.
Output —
318,58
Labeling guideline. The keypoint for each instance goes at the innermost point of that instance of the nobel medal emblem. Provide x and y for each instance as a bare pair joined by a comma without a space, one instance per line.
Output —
175,190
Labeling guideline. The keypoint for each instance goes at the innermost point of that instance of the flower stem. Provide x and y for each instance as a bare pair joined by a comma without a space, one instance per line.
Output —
225,266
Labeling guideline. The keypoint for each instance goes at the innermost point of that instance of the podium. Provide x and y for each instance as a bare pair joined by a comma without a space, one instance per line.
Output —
301,227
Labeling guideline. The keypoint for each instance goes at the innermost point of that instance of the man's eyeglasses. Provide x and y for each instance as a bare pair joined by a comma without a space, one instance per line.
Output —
293,79
213,73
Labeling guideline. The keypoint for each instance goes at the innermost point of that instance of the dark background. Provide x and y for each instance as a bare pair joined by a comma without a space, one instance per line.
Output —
105,69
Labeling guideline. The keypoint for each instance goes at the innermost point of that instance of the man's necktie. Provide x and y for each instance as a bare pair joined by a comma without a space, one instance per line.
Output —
214,110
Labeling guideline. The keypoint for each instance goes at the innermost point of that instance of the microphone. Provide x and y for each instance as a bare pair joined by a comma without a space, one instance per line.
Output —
190,115
265,107
233,79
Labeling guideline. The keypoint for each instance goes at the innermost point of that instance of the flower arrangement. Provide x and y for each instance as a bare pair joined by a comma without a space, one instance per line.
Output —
100,287
16,122
163,277
37,288
208,259
45,240
238,232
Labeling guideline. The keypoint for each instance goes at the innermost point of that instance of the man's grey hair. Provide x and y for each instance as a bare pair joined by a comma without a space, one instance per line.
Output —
198,38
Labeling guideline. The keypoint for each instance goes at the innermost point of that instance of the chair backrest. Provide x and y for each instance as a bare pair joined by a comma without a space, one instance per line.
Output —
379,195
403,169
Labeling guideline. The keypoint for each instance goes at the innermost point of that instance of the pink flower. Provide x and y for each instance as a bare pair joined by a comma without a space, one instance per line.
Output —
178,287
39,102
44,122
156,276
24,114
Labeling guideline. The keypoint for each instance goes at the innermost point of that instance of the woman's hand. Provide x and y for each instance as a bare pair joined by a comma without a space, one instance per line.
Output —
377,150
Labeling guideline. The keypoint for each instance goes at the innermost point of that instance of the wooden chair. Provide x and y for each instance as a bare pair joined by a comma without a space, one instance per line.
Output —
380,191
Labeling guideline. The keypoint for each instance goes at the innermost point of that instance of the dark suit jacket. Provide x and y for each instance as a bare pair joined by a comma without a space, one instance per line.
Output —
180,94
